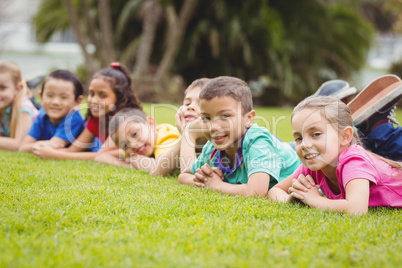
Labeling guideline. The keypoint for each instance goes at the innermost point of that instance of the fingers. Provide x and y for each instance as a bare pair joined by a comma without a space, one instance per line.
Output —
294,193
207,170
179,119
303,183
218,172
199,178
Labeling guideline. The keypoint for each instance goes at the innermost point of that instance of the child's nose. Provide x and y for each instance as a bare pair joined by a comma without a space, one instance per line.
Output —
306,143
214,125
56,100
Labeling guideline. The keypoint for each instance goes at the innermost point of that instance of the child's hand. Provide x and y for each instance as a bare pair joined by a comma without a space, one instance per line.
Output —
306,196
55,145
208,176
43,150
303,183
180,121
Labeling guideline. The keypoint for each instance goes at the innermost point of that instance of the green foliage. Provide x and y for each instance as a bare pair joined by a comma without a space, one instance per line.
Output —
51,18
396,68
296,44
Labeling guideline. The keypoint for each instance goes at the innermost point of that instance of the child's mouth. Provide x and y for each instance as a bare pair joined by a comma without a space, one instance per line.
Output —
219,139
141,150
311,157
190,118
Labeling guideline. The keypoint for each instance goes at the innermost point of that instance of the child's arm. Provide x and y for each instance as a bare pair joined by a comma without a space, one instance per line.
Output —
164,165
28,143
24,122
357,193
79,145
258,183
280,192
188,142
114,157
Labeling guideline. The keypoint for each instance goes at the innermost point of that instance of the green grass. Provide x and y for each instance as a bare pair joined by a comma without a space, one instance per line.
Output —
59,213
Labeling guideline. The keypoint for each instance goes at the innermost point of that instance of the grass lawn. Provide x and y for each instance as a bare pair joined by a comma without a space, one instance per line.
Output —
84,214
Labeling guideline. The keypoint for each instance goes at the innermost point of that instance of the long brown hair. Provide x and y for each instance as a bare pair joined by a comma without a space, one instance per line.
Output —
340,117
12,68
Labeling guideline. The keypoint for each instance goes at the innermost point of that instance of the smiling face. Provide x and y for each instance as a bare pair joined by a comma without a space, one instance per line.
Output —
223,123
318,143
58,99
8,91
191,104
101,97
136,137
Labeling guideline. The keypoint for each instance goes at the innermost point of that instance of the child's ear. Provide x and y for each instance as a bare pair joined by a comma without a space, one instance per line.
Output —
250,118
347,136
79,99
21,85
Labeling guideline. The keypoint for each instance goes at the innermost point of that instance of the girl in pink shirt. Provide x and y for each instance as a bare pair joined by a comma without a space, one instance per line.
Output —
351,178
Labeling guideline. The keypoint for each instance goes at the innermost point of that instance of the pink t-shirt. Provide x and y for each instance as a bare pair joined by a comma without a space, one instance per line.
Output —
357,163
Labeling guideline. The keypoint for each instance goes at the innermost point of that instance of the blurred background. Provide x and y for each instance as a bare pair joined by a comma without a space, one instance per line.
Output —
284,49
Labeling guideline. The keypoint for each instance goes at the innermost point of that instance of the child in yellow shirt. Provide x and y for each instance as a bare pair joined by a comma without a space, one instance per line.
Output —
142,143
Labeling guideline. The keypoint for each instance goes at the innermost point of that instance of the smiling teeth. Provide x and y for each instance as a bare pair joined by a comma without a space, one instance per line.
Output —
311,156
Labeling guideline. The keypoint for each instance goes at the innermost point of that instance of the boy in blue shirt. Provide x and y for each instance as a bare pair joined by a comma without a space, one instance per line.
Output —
240,158
59,121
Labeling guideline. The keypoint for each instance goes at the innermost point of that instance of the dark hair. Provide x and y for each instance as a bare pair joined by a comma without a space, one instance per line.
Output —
196,83
125,114
66,76
233,87
120,81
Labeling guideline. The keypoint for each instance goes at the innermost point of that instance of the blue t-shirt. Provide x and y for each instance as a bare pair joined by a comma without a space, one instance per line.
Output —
260,152
69,128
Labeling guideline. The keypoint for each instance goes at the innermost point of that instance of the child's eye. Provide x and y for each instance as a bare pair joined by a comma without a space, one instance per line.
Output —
102,95
224,116
134,134
205,118
316,134
298,139
187,103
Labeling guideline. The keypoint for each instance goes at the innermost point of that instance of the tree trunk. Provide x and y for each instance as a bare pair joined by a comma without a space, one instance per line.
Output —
152,14
91,30
73,17
175,37
105,21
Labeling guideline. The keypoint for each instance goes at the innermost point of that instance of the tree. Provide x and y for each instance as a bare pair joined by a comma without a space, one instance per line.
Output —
177,30
75,23
295,52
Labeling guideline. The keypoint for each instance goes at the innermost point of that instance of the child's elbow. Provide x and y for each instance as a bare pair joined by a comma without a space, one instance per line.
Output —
358,212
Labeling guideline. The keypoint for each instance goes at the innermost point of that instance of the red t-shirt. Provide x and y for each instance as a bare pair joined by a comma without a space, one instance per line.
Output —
99,130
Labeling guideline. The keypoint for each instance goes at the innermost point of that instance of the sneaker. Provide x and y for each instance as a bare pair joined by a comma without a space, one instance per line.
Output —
336,88
375,104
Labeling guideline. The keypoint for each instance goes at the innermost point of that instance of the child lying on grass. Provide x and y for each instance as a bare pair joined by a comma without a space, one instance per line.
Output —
59,121
142,143
351,178
239,158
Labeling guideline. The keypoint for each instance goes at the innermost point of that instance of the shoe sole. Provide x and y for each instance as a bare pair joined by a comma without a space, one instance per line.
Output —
374,97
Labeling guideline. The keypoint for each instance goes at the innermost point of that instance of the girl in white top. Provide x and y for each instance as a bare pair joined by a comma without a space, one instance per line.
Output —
16,110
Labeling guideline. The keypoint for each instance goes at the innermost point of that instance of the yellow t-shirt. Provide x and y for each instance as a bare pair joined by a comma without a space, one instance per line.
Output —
165,138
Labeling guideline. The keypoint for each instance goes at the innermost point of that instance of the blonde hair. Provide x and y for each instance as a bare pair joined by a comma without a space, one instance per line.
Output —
12,68
339,116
